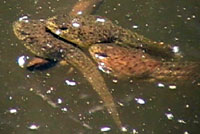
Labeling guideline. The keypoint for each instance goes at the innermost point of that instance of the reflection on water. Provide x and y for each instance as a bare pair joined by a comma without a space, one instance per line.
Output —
144,107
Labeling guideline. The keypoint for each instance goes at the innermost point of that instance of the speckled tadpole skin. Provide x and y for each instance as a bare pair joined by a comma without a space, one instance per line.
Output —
86,30
43,44
123,62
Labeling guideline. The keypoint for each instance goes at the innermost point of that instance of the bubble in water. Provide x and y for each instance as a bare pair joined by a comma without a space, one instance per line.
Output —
13,111
75,24
140,101
22,60
105,129
175,49
161,85
34,127
169,116
70,83
135,26
24,19
58,32
59,101
172,86
100,20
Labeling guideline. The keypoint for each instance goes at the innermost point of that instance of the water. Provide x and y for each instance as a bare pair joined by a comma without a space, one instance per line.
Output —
155,108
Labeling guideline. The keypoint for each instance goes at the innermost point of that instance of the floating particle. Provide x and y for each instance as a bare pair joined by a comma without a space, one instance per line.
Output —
64,109
176,38
140,101
172,86
135,131
22,60
124,129
24,18
34,127
161,85
48,91
58,32
105,129
28,76
121,104
41,20
188,18
13,111
135,26
115,80
179,16
181,121
79,12
31,89
96,108
175,49
193,16
169,116
59,101
48,74
187,106
70,83
100,20
186,132
75,24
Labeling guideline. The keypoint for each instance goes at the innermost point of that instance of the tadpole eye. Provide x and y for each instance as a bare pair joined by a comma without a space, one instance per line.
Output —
63,28
101,56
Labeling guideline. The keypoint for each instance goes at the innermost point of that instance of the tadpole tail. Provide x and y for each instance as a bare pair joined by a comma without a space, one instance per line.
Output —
158,49
174,71
91,73
85,6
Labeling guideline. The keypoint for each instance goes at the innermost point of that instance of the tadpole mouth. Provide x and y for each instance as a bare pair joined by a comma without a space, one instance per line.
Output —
51,25
17,28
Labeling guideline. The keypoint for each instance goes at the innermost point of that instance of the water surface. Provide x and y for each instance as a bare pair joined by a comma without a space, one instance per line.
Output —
145,108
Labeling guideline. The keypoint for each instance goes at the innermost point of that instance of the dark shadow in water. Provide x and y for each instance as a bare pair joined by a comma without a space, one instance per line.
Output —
42,67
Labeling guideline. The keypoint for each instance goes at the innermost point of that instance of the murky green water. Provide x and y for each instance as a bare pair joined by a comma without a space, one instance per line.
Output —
164,110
